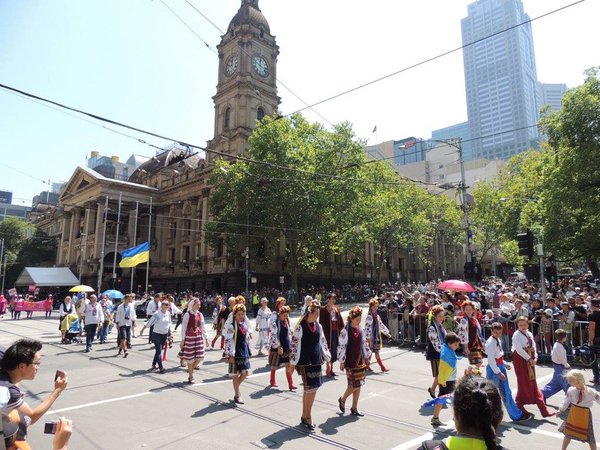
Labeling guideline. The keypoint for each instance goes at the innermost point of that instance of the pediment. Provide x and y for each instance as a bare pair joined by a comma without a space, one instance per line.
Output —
81,180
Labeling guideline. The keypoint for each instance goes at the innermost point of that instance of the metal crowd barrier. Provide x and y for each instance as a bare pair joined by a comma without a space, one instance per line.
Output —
407,330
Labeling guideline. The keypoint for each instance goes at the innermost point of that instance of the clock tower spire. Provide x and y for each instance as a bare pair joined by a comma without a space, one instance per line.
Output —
247,85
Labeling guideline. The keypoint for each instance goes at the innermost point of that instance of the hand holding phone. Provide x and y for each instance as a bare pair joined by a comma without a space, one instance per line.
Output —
60,380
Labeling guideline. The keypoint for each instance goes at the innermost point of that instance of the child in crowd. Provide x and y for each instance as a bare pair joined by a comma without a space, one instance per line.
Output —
447,373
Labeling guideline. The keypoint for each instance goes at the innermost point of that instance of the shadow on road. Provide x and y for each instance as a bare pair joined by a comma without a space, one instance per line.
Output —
212,408
331,425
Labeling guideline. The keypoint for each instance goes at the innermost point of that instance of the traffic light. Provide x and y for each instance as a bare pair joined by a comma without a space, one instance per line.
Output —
525,241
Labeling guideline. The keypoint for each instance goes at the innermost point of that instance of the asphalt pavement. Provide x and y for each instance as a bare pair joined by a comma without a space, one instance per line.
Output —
119,403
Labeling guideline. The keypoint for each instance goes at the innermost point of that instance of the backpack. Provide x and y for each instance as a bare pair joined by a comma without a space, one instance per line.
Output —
433,445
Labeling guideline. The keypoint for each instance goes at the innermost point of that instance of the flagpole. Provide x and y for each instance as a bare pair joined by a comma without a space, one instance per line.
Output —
149,245
103,245
132,272
114,272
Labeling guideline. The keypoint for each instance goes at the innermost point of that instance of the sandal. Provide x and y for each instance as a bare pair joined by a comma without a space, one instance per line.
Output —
191,380
356,412
342,405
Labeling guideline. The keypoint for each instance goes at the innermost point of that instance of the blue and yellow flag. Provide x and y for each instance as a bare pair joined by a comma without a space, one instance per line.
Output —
448,360
136,255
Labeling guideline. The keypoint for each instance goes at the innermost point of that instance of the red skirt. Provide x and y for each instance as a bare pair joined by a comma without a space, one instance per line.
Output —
528,392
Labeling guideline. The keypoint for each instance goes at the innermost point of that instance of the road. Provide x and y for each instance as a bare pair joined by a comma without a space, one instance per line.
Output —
118,403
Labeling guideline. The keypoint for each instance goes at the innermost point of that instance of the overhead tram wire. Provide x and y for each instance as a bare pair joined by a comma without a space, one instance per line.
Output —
433,58
206,44
41,103
185,144
247,54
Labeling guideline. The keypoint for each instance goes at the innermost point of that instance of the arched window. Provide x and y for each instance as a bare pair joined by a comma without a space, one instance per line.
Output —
227,119
260,114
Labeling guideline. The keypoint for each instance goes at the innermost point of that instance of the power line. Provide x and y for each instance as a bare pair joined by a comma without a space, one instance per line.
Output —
185,144
431,59
206,44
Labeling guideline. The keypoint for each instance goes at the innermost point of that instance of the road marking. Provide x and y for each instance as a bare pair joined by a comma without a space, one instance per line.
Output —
142,394
414,443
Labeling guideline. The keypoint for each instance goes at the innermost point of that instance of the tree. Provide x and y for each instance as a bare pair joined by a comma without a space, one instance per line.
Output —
571,197
302,193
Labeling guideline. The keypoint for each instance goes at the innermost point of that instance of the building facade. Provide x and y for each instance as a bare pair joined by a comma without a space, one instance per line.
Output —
500,78
166,199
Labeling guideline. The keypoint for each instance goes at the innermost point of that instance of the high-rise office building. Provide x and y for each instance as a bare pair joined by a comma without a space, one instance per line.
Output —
503,99
552,94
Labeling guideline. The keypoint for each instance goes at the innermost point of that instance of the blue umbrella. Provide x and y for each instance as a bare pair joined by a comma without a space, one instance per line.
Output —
113,293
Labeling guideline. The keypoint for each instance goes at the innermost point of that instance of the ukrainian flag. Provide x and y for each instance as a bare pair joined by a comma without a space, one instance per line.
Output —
448,360
136,255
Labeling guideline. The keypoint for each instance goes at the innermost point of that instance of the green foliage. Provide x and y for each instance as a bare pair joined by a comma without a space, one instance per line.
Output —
571,195
311,207
332,203
554,192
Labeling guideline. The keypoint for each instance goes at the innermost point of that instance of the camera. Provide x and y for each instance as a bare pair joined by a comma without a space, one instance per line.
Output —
50,427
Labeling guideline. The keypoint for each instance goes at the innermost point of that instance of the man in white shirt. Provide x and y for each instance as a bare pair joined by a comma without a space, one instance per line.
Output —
92,315
496,372
124,319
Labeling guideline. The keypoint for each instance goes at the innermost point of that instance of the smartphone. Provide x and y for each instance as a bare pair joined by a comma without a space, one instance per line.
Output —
50,427
59,374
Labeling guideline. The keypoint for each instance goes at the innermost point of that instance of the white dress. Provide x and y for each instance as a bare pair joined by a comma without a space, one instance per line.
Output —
263,317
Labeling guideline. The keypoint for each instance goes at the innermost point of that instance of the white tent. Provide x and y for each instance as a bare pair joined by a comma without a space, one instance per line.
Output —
47,276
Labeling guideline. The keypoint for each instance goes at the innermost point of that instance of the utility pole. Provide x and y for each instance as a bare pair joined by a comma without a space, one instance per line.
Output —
114,272
540,252
463,199
82,245
101,265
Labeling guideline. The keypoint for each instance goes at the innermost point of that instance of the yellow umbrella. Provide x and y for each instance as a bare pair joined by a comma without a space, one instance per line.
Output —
81,288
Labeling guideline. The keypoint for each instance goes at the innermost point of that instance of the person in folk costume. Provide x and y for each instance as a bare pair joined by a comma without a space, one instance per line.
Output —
263,316
280,302
435,334
332,323
280,342
561,366
219,321
471,336
353,354
233,302
374,329
524,360
496,372
578,402
307,301
237,348
193,338
308,351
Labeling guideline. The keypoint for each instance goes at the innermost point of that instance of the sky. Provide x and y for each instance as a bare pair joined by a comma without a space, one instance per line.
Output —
136,62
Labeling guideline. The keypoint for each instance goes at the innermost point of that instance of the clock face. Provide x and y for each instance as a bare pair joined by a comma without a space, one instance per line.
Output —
232,65
260,65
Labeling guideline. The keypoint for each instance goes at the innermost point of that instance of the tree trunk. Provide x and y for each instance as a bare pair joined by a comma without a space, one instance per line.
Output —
593,265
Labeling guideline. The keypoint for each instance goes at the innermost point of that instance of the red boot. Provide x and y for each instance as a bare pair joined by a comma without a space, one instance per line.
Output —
222,342
290,381
273,382
380,362
213,342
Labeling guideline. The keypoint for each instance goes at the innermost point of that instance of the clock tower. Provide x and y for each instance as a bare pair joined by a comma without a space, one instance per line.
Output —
247,85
